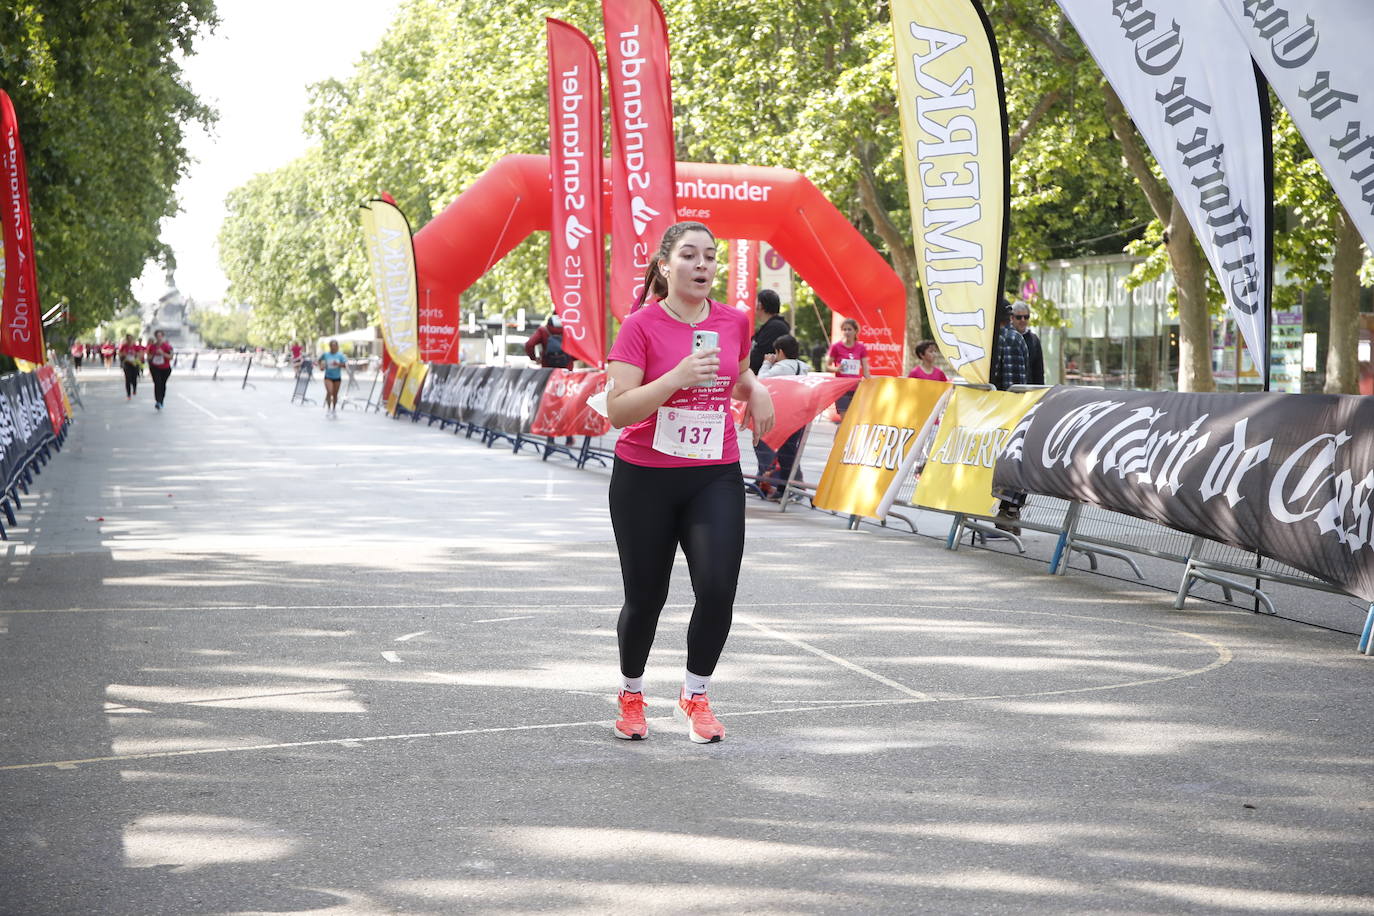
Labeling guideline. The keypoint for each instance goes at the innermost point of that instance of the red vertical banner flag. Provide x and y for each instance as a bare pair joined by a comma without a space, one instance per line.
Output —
643,160
744,275
439,329
21,326
577,266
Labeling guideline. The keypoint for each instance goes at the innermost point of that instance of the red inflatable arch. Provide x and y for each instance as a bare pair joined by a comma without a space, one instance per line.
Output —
779,206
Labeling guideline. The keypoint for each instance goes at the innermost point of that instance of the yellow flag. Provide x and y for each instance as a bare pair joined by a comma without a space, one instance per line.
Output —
391,255
414,380
976,424
954,139
393,397
886,420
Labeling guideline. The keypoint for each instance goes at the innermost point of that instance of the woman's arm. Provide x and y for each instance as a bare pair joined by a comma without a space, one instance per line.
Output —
863,363
630,399
759,403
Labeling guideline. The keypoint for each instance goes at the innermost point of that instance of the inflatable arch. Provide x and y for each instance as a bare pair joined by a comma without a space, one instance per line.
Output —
779,206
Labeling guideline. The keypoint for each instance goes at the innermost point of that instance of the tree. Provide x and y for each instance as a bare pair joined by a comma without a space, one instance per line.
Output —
102,110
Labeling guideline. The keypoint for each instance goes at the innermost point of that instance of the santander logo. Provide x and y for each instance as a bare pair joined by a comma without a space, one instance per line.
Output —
642,214
574,231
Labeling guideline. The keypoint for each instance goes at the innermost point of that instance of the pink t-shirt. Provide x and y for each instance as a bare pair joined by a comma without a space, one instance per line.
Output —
839,352
935,375
160,354
656,342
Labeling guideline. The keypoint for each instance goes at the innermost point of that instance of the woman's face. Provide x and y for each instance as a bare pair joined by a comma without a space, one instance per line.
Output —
851,333
691,267
927,357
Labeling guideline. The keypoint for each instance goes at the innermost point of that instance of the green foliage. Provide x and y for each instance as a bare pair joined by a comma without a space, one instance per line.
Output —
222,329
102,111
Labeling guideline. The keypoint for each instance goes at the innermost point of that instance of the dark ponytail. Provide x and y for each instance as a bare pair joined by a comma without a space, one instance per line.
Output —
655,286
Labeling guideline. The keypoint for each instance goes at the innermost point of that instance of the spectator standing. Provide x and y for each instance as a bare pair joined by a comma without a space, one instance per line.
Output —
296,351
131,361
159,366
925,367
848,359
78,353
545,345
1035,354
771,326
1010,356
783,361
333,363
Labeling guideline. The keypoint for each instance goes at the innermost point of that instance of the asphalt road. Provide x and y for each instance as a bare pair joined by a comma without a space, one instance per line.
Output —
254,659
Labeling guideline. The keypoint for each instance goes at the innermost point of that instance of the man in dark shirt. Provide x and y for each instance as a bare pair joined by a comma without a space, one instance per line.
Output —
1035,356
773,327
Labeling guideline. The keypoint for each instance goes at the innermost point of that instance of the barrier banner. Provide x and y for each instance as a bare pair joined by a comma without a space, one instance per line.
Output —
1290,476
954,142
508,399
414,381
1313,52
797,400
886,419
21,325
393,382
51,387
643,160
439,330
975,427
577,252
24,422
742,286
1189,84
391,254
563,410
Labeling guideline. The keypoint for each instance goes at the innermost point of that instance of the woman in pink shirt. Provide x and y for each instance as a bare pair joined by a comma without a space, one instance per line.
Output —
848,359
677,477
926,368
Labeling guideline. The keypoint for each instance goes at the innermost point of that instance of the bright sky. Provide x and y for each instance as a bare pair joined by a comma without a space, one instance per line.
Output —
255,69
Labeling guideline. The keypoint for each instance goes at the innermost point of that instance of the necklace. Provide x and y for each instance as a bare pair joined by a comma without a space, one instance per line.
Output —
679,316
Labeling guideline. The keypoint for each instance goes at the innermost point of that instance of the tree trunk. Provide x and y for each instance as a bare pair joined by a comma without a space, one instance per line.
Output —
1342,347
1194,319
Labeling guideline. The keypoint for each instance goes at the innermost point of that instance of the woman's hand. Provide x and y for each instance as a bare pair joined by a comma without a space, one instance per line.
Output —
696,369
759,409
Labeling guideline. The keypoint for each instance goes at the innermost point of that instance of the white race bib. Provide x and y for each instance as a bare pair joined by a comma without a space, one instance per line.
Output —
850,366
685,433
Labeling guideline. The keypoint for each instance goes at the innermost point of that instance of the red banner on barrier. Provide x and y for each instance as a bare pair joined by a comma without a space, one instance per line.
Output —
563,410
21,325
439,329
744,274
52,396
797,400
643,161
577,266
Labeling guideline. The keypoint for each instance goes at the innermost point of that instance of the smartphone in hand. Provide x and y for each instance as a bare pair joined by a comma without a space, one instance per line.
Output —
704,340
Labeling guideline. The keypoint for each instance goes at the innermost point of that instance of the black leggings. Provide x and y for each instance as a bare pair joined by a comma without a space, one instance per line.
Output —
159,382
653,510
130,379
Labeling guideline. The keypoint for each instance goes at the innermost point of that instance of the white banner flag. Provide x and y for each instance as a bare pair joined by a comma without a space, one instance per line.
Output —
1313,54
1191,89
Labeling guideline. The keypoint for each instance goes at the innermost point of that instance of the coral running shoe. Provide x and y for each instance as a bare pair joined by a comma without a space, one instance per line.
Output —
702,725
631,725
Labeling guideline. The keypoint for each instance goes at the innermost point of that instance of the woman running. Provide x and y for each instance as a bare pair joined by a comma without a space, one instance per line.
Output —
159,366
332,363
677,477
131,361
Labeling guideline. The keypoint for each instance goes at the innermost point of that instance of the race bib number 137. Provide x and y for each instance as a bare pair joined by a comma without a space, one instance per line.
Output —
698,434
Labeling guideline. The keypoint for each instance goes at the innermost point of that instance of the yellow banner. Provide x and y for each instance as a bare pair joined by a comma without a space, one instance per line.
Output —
954,140
958,474
886,420
414,380
393,397
391,254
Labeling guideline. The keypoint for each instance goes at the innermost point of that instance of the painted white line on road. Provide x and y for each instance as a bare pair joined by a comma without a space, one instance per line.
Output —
409,636
392,657
263,415
118,497
500,619
198,406
843,663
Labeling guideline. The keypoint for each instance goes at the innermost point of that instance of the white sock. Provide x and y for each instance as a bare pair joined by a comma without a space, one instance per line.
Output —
694,683
632,684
